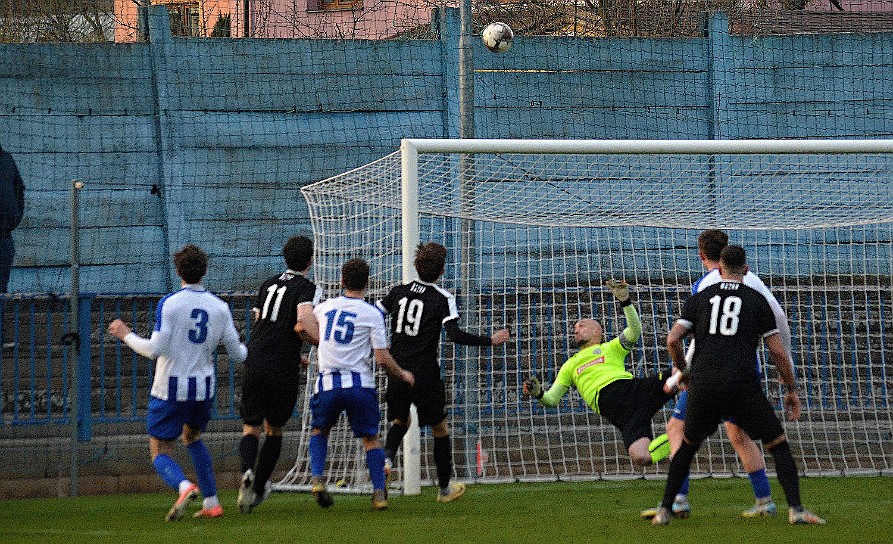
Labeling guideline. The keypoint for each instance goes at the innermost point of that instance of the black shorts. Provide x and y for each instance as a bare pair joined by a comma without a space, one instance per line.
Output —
428,395
269,397
711,402
631,404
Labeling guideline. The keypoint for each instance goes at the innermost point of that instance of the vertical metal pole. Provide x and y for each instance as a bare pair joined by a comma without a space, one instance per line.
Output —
466,72
247,21
74,360
468,243
412,468
142,20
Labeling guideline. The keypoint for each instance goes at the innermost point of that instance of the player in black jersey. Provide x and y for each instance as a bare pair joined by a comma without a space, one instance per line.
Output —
419,310
273,369
728,320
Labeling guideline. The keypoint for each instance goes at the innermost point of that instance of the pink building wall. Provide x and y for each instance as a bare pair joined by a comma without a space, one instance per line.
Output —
376,19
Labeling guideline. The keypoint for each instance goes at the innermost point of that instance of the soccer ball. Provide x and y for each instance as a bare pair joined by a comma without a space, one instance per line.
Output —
498,37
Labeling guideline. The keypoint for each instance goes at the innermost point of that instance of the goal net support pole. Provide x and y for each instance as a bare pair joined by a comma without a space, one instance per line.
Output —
409,201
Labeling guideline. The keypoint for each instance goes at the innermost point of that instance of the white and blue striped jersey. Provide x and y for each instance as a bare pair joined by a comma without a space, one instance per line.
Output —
189,325
349,329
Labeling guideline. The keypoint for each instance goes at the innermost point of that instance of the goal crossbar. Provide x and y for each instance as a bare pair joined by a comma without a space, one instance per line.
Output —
642,147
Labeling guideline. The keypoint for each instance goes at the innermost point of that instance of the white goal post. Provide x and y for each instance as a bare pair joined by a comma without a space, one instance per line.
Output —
534,228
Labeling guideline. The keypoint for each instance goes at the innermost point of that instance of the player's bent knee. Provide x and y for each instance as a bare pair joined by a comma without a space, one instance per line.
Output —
642,461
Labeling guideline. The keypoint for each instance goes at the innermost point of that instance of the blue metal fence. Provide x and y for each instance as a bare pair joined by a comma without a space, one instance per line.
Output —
841,361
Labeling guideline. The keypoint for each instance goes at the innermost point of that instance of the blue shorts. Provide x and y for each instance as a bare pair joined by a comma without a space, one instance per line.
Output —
166,417
682,404
361,404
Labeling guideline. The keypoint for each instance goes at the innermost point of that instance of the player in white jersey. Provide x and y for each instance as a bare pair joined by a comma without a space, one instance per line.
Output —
347,329
189,325
710,244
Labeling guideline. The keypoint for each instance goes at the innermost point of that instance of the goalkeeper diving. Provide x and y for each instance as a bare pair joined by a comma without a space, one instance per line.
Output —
599,374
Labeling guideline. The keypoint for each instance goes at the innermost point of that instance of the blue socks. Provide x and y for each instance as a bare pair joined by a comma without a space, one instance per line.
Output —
204,469
375,463
318,445
760,483
169,470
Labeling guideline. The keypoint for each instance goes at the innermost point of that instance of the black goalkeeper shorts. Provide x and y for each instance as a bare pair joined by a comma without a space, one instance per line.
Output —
631,404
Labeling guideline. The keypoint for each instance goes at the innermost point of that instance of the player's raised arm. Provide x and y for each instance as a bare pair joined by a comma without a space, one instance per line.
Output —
633,330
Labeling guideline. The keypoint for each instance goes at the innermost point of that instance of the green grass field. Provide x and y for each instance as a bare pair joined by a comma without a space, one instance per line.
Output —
858,510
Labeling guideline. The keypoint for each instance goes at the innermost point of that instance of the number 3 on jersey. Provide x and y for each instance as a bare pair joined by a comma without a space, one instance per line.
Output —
199,334
342,326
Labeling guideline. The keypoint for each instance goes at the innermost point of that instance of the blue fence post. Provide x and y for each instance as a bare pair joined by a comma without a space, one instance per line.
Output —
447,20
719,51
84,395
160,41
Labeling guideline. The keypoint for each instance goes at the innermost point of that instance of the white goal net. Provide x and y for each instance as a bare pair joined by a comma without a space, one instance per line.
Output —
534,228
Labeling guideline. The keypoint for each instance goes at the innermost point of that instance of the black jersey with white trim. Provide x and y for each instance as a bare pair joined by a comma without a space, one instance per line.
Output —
728,320
419,311
274,345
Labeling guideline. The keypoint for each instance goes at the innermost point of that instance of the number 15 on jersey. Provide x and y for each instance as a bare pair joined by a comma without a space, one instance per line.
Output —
339,326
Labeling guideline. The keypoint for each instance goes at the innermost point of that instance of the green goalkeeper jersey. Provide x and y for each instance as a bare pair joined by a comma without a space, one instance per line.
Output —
594,367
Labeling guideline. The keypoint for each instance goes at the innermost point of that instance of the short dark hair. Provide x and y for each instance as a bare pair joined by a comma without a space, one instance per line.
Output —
191,263
298,252
430,260
711,242
733,259
355,274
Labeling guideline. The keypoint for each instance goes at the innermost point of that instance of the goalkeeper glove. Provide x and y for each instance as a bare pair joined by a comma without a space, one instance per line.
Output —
534,389
620,290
